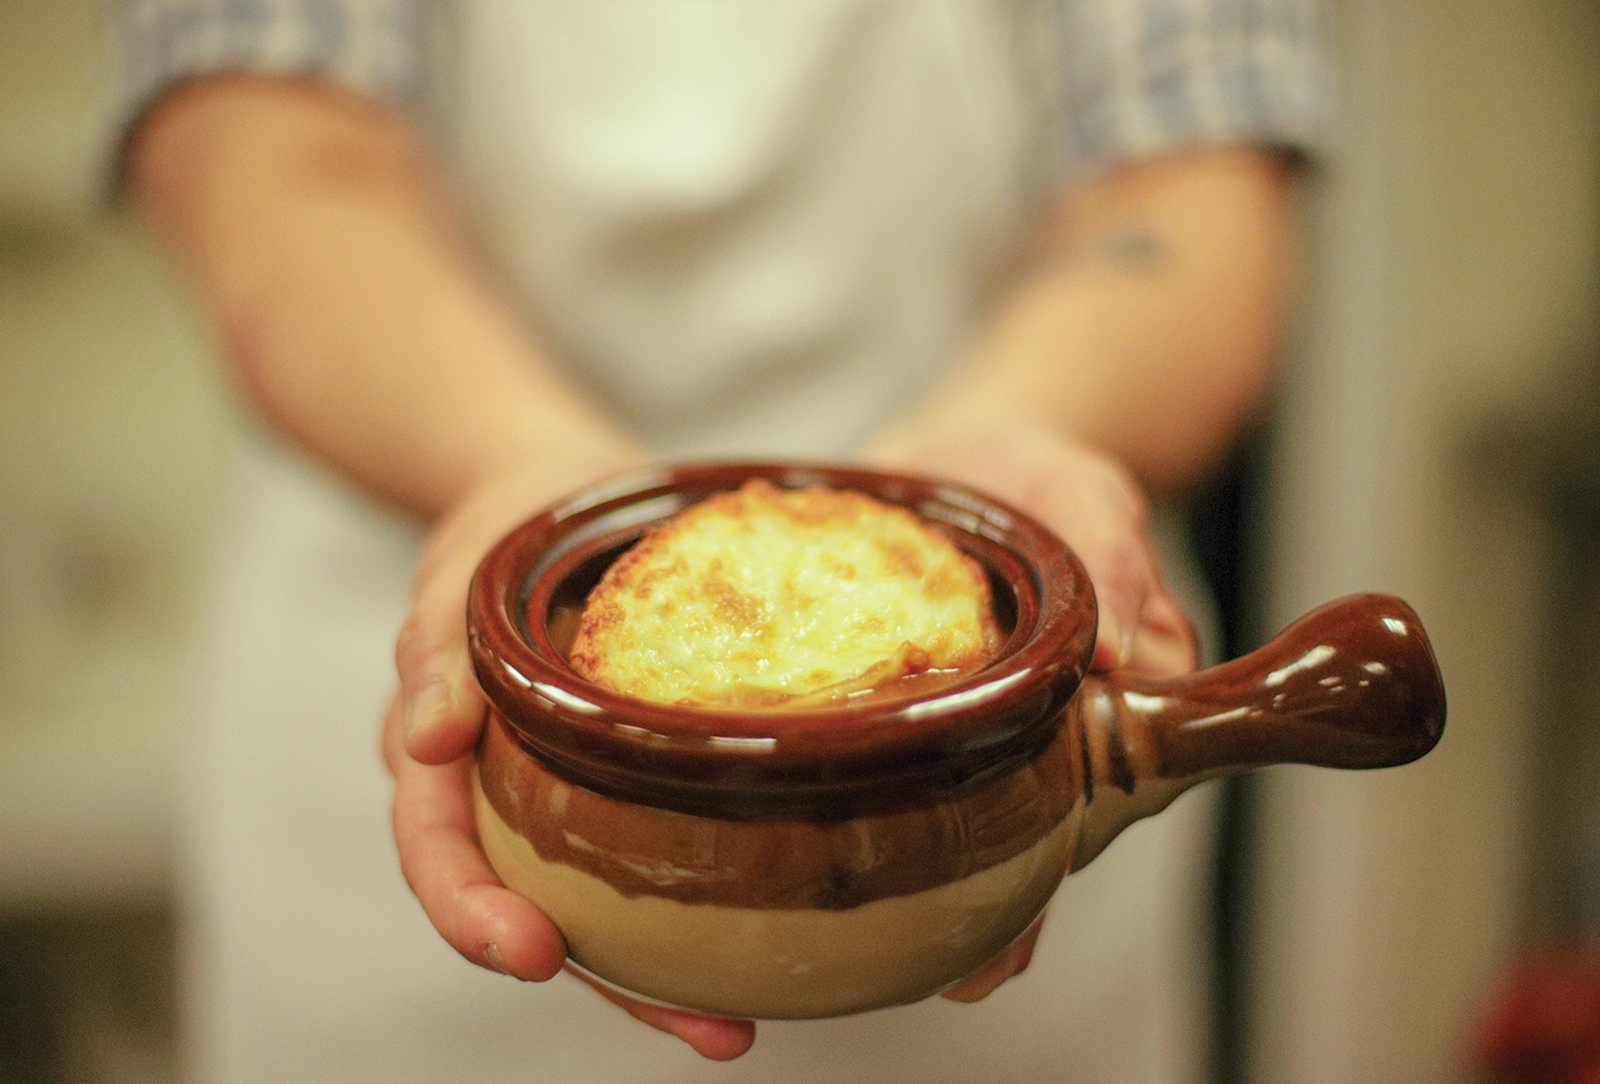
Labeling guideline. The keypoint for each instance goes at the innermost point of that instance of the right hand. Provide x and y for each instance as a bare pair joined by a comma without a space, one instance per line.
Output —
429,735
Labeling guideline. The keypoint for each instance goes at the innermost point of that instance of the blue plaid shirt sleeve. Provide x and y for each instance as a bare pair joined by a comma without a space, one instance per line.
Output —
1144,77
374,47
1140,77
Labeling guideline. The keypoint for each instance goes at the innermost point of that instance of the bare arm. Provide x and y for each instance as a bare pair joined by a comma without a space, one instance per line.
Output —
1136,340
357,319
1144,321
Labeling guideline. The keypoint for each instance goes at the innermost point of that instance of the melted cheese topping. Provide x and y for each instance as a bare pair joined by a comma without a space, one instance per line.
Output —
757,596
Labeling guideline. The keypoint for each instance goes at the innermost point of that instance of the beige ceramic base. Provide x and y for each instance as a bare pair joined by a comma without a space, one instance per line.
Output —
783,964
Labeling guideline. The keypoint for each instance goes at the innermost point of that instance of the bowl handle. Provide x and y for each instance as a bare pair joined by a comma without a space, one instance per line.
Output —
1352,684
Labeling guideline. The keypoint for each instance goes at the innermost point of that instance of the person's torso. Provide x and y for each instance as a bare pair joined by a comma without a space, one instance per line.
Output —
753,227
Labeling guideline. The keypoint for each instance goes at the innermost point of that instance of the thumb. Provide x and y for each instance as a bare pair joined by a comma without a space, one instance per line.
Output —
440,704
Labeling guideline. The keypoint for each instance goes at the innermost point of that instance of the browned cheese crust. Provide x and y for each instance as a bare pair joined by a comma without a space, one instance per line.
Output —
762,596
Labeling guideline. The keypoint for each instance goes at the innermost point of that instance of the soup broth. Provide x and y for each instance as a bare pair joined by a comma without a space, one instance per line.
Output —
572,596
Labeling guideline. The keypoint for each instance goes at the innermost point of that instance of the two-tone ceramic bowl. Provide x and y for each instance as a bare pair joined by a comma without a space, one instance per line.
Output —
824,861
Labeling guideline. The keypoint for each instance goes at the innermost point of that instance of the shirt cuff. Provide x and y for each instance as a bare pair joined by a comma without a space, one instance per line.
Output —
372,47
1147,78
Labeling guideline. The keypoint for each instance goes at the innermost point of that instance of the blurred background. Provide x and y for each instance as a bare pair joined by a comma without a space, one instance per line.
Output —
1438,437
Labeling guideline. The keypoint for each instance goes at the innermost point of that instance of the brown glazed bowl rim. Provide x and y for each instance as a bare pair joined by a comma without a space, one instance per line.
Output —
823,762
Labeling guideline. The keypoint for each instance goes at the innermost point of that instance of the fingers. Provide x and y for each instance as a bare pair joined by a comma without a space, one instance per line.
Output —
712,1037
429,734
1097,507
1142,625
490,925
1100,512
1121,571
447,871
440,704
441,708
493,926
1165,644
1009,964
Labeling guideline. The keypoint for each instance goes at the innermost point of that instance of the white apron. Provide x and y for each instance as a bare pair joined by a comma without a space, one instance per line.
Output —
754,228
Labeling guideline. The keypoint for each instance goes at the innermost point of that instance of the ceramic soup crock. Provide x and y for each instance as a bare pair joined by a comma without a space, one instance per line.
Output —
824,861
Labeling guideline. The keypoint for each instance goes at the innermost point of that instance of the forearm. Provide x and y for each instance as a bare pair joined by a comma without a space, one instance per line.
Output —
1144,323
355,316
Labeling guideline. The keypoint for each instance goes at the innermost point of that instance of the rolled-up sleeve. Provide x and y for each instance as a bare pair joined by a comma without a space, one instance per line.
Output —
1146,77
373,47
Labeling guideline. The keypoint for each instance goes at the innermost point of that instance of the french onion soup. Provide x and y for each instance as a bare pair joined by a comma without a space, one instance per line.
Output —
763,602
767,597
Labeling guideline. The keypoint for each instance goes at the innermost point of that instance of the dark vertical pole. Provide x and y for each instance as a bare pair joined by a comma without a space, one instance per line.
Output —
1224,519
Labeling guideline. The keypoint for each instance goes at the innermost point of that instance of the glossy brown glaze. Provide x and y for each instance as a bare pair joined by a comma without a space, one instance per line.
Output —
816,763
648,827
794,863
1353,684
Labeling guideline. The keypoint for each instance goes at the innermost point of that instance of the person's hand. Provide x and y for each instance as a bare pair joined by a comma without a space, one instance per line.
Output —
1098,509
429,733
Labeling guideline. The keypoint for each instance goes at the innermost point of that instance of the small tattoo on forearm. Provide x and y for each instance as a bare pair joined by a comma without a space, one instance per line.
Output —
1134,248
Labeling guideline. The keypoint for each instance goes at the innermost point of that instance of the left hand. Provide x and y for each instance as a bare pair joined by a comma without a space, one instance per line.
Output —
1098,509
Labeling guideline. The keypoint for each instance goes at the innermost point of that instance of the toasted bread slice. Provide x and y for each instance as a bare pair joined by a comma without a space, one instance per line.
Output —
761,595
